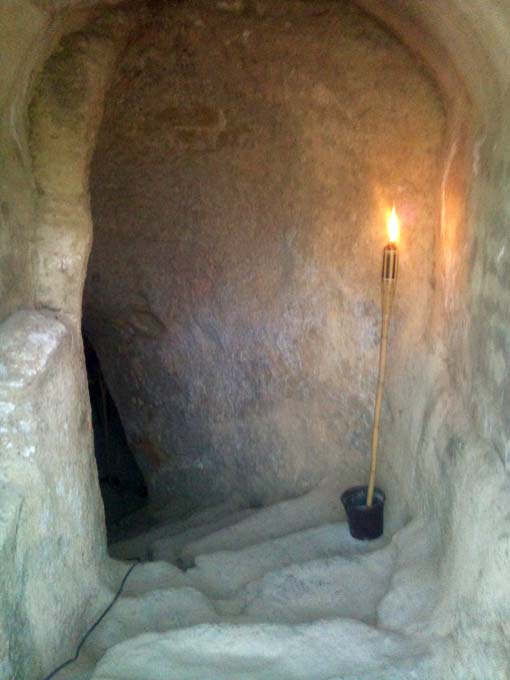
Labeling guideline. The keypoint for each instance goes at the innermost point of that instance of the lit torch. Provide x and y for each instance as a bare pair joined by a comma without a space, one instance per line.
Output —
389,281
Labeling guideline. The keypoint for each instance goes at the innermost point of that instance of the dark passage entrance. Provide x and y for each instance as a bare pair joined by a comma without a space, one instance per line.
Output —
122,485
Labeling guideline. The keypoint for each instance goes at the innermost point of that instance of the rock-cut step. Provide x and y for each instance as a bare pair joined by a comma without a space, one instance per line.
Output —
323,650
232,530
280,593
220,574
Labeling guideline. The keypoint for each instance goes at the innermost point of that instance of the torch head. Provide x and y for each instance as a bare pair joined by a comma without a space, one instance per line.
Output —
390,255
390,263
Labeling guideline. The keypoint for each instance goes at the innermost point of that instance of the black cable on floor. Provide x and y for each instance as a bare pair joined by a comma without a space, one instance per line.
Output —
95,625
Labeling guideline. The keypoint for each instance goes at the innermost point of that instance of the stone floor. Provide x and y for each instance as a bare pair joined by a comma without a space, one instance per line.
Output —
281,592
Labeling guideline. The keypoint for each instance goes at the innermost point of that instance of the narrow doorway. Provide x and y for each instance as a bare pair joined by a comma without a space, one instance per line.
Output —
122,484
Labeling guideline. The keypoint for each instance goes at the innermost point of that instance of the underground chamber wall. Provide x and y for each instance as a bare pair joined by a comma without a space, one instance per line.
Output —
448,467
240,183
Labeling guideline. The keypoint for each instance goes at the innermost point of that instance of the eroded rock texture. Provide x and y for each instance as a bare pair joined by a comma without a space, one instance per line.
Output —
239,189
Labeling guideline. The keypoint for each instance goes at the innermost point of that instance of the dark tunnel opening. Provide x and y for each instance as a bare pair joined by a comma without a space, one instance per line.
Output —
122,485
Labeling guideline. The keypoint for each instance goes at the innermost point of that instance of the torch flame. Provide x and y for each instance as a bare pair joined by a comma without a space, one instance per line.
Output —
393,226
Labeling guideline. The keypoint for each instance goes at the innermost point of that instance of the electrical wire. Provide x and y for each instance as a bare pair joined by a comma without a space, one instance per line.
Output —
95,625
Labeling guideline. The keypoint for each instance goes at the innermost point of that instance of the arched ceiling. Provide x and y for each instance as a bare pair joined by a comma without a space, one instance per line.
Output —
473,34
466,43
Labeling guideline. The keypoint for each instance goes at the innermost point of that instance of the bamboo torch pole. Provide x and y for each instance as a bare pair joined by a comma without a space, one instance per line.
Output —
389,282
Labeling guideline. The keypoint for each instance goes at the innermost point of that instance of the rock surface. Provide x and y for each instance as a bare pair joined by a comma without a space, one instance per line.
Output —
52,533
239,187
302,615
447,453
51,519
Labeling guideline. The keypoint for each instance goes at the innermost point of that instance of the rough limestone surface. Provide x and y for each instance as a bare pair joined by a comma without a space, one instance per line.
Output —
52,542
240,184
445,446
364,610
308,612
51,520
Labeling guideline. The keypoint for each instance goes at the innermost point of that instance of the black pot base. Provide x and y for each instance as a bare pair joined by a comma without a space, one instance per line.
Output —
365,523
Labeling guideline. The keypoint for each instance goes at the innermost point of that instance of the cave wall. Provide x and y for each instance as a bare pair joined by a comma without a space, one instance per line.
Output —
51,520
447,465
240,188
52,535
23,25
450,461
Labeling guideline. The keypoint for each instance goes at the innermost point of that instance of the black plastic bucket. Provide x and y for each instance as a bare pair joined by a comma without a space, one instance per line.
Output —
364,523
